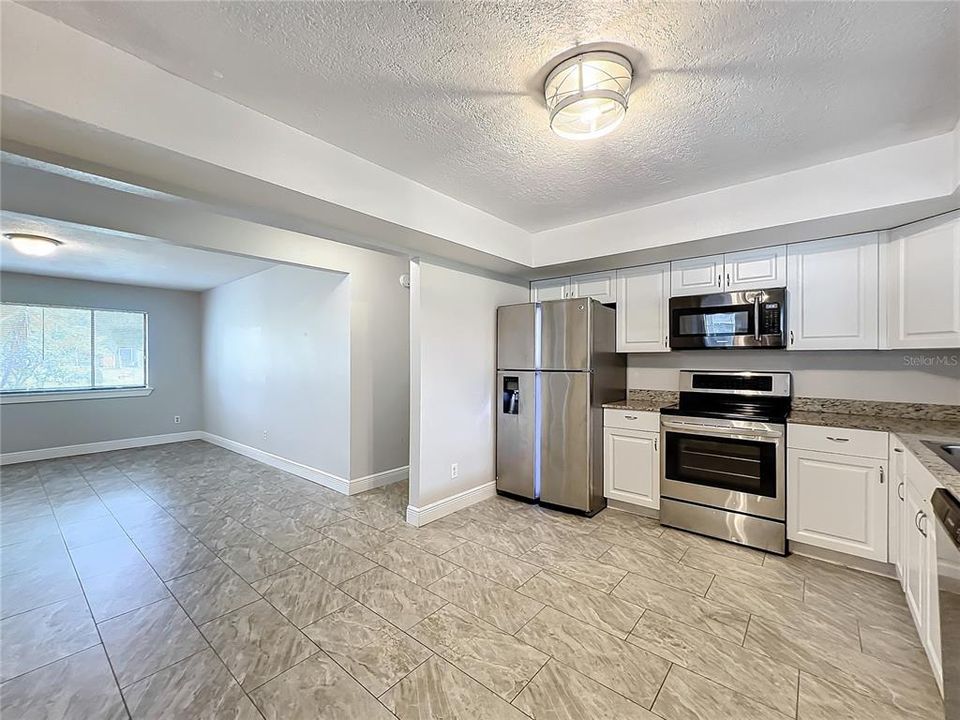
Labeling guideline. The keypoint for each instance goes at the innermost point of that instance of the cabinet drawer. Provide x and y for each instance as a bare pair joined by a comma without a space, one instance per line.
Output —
843,441
632,420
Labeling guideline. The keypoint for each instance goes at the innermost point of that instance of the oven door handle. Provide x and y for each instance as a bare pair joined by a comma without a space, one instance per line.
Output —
705,429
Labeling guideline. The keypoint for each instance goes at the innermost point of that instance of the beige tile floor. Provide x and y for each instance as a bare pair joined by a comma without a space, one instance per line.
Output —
184,581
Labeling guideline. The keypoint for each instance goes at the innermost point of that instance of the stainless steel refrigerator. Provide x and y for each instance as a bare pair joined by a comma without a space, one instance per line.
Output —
556,366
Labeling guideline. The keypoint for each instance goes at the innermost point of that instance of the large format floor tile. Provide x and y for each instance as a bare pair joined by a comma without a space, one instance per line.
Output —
748,672
498,605
43,635
437,689
211,592
911,691
501,610
197,687
317,689
257,643
497,660
411,562
392,597
301,595
373,651
491,564
149,639
559,693
586,571
77,687
625,668
584,603
725,621
688,696
332,561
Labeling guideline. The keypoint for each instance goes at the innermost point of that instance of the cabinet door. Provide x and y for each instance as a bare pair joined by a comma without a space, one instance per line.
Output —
915,558
643,306
552,289
838,502
696,276
921,298
755,269
832,290
930,632
600,286
896,502
631,466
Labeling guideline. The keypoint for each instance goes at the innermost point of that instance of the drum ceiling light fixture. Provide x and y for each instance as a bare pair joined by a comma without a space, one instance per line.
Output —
587,94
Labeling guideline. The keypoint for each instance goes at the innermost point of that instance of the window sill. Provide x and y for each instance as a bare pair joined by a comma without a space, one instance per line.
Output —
57,395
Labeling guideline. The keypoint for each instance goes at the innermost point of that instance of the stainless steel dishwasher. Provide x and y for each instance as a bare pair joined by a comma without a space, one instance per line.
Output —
947,509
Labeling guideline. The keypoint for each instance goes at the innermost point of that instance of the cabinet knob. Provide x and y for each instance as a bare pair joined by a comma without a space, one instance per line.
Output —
840,439
728,279
922,519
900,491
881,474
791,337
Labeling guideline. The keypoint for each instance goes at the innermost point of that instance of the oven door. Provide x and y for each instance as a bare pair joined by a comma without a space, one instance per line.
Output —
731,464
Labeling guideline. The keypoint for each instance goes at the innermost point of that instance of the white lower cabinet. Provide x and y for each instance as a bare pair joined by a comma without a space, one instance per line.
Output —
919,558
837,502
631,458
896,498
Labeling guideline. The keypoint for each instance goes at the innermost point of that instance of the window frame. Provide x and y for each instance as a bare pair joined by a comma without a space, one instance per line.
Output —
92,392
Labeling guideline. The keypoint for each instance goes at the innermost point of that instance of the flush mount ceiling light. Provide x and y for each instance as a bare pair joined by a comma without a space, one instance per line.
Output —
587,94
35,245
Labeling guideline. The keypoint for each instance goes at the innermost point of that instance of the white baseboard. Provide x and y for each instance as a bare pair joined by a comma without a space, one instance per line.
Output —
334,482
97,447
386,477
420,516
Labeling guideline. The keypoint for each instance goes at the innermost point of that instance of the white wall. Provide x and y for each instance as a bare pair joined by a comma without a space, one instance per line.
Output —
895,376
276,365
173,336
453,379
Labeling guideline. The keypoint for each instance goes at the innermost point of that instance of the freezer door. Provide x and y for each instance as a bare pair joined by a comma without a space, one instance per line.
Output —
517,447
570,476
565,334
517,337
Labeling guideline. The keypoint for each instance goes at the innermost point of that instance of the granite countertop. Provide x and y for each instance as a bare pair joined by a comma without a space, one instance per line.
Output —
645,400
636,405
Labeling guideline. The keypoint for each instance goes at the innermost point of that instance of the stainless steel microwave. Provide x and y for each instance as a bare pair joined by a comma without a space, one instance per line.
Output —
746,319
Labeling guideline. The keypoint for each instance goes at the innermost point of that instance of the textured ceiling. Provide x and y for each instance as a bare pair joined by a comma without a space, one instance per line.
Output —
94,255
448,93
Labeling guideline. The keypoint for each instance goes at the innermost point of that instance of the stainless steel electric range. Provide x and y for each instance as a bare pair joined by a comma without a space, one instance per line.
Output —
723,461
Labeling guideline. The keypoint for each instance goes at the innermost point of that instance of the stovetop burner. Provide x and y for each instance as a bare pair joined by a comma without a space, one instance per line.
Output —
759,396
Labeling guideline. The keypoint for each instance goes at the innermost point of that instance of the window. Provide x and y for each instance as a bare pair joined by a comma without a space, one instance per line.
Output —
44,348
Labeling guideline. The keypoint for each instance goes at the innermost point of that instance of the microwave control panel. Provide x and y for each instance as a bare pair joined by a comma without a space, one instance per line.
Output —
770,318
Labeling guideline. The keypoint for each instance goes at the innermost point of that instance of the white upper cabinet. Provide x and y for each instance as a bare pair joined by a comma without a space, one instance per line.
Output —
697,276
832,291
755,269
601,286
921,271
552,289
643,306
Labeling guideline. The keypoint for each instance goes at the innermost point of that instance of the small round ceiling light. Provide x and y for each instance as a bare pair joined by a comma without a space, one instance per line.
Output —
587,94
35,245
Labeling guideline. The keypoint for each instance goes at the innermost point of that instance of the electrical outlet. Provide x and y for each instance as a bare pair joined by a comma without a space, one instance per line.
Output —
454,470
176,419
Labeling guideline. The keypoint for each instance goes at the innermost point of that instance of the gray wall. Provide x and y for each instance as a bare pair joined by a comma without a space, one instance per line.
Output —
919,376
174,332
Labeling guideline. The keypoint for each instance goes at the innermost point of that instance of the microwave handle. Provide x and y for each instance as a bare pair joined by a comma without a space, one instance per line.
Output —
756,317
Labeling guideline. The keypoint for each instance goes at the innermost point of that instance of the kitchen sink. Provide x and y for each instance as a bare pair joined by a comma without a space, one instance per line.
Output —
950,452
